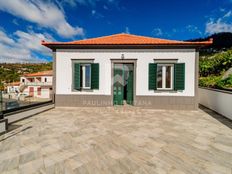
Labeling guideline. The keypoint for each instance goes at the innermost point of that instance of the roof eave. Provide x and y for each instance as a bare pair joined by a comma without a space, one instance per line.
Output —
119,46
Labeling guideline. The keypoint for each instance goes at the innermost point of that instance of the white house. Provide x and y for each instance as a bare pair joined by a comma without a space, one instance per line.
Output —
37,84
13,87
125,68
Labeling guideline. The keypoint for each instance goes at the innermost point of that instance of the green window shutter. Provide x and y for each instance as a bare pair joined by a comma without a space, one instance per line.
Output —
179,76
77,78
95,76
152,76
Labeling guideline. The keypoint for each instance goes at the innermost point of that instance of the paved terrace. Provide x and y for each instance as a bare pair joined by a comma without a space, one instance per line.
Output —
118,140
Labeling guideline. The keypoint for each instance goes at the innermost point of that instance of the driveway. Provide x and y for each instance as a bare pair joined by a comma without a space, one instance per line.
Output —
118,140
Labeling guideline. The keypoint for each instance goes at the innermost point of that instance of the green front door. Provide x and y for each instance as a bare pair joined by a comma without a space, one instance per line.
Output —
129,88
118,84
123,84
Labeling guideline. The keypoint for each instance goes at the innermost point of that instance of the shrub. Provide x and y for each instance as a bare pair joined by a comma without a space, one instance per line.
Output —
216,82
215,65
209,81
226,83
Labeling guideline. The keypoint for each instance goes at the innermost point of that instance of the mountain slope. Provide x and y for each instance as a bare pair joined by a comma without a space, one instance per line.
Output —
220,41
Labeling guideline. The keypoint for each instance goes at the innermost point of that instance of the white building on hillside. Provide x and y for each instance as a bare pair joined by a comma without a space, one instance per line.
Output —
37,84
13,87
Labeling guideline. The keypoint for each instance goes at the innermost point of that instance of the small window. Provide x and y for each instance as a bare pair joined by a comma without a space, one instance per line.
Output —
45,79
23,80
165,76
85,78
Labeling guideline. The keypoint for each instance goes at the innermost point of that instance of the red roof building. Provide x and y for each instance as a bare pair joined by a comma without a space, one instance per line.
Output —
126,68
126,39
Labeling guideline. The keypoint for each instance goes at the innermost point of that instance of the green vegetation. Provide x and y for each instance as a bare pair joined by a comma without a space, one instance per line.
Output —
225,83
216,64
213,68
12,72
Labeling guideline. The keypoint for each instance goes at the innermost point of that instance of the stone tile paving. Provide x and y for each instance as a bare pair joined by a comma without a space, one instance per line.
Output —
118,140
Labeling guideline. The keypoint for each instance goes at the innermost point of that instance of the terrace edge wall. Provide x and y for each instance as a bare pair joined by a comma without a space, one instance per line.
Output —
217,100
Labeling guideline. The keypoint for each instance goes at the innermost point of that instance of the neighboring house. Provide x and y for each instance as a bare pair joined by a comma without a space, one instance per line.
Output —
37,84
125,68
13,87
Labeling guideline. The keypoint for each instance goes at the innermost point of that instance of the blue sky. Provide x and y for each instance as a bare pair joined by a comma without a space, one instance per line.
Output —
24,23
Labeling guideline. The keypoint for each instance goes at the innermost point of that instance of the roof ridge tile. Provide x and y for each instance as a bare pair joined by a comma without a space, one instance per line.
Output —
126,39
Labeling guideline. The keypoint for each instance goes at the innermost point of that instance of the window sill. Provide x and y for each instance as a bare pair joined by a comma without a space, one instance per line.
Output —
83,90
165,90
86,89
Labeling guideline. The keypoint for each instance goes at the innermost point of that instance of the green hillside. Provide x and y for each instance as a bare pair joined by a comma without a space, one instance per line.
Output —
216,70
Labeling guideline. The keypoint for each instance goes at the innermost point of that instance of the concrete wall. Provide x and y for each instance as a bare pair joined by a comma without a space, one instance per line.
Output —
27,113
3,125
103,57
217,100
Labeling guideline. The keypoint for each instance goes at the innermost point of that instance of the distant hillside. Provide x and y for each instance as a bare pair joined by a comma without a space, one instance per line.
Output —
216,70
11,72
221,41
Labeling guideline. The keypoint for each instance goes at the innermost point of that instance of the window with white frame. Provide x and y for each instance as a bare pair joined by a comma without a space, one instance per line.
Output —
165,76
85,77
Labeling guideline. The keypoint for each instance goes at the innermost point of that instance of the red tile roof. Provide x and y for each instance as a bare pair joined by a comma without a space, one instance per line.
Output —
13,84
126,39
43,73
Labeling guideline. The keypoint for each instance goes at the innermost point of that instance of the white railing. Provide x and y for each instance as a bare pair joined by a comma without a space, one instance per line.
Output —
217,100
37,83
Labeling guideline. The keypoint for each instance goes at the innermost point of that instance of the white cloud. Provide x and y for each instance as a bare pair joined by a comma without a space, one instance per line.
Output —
93,12
96,14
228,14
217,27
193,29
105,7
5,39
14,21
74,3
21,46
222,9
127,30
23,60
157,32
45,14
32,41
221,24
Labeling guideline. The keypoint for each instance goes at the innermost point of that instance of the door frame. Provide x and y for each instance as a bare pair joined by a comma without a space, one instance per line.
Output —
123,61
31,91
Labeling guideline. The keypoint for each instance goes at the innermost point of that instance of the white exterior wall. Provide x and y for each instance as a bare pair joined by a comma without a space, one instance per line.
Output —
144,57
49,78
25,80
217,100
12,89
45,92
